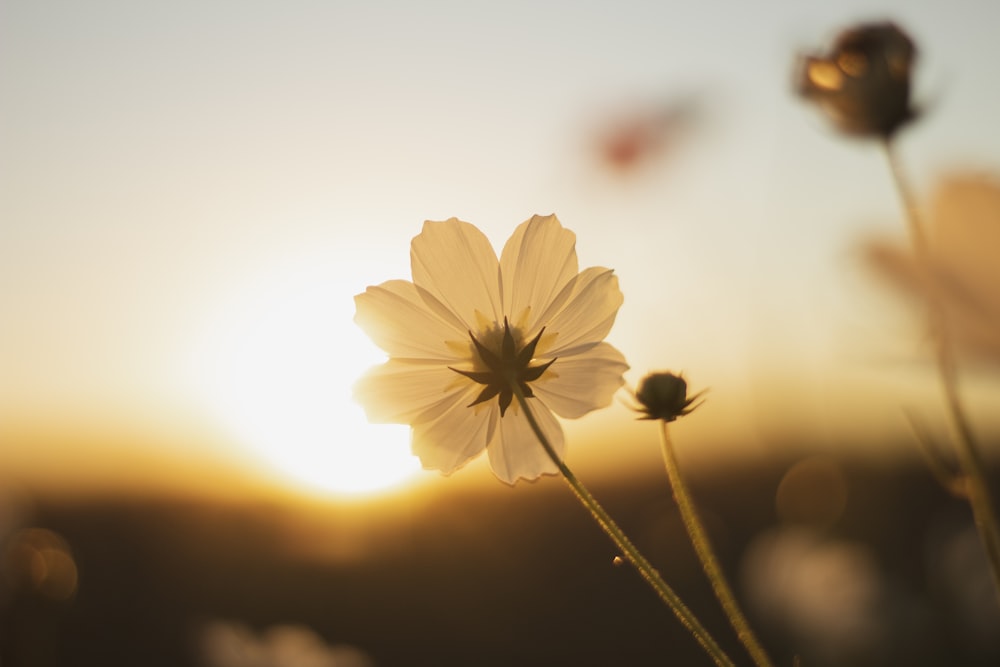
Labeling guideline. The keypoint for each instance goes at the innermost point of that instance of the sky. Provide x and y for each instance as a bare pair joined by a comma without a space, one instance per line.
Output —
191,193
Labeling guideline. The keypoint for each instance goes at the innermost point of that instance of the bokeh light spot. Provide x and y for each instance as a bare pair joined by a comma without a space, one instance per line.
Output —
813,491
42,559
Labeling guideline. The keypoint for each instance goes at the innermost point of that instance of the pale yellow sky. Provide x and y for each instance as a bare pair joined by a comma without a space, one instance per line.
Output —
192,193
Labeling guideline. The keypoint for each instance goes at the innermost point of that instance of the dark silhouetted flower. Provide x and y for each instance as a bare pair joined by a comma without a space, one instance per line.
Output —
863,83
664,396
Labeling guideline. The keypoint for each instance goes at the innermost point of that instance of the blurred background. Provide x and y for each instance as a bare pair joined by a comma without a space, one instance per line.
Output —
192,193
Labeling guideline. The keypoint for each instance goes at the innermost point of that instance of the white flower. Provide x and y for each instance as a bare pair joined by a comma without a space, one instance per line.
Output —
469,325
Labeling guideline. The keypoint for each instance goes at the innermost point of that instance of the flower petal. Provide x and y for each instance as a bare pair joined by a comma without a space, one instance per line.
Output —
537,261
582,315
515,452
405,392
456,264
407,322
574,386
456,437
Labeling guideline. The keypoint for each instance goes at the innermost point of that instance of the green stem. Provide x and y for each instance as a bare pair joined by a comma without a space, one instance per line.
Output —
699,538
969,458
628,550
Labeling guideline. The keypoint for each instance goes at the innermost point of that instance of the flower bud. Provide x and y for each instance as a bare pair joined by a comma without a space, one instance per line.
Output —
863,84
664,396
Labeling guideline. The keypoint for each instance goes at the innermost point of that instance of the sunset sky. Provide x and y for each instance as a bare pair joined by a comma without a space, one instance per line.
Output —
191,193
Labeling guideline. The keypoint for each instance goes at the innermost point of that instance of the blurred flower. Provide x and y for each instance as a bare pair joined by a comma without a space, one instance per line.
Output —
225,644
469,327
961,579
643,134
863,84
664,396
826,594
964,271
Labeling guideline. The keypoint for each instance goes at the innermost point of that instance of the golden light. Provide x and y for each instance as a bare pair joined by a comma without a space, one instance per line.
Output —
275,366
824,74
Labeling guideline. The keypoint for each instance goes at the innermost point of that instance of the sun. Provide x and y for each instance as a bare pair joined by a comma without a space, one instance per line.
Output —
275,365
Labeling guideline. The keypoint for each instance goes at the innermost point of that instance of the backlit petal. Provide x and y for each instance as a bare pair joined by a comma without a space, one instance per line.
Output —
403,392
457,436
456,264
537,262
574,386
577,323
516,453
407,322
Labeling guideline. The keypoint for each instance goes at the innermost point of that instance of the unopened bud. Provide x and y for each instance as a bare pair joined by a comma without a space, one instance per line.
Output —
863,83
664,396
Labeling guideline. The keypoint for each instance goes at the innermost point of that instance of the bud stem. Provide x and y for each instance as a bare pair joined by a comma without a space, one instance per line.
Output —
709,563
628,550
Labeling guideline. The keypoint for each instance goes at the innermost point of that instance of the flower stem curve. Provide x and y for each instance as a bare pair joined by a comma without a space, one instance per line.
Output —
969,459
629,551
702,546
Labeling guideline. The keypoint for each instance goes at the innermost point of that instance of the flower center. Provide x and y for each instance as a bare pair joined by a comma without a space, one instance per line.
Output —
505,370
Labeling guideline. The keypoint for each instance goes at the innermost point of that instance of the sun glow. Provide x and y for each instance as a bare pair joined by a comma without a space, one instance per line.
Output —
276,367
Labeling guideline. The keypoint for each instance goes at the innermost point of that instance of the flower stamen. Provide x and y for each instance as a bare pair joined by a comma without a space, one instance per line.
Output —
511,368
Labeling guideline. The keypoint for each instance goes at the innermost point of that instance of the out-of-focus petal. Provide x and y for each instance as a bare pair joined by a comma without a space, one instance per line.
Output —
456,436
404,392
965,232
396,315
579,322
584,382
963,273
537,261
456,264
516,453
